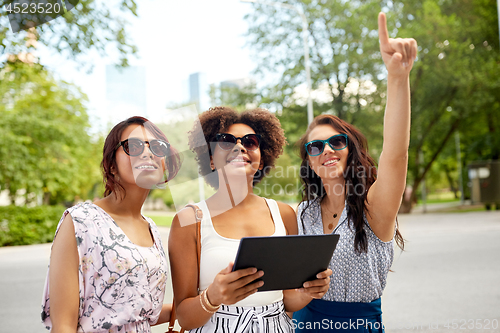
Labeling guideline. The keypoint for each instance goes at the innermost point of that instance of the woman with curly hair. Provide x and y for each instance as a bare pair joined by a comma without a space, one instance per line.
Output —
240,152
108,270
344,194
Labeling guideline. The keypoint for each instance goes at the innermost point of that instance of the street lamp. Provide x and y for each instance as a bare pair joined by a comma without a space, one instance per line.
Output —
306,50
498,9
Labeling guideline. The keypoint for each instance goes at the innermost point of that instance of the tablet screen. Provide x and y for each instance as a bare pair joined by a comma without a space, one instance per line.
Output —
287,261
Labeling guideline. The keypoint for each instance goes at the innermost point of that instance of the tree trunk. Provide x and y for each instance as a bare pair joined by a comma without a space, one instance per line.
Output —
420,177
491,128
406,202
453,188
46,198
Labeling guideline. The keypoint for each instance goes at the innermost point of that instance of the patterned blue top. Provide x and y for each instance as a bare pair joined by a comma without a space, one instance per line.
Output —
356,277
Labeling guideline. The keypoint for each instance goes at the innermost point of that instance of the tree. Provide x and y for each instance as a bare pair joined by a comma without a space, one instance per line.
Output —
44,145
90,26
343,43
454,82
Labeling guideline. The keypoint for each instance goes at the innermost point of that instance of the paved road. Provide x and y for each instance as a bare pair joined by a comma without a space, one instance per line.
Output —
449,272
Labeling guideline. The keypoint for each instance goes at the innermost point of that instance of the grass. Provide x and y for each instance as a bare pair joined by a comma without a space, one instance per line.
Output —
162,220
432,201
439,197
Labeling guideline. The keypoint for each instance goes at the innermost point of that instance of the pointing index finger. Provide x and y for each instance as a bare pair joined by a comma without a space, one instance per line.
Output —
383,35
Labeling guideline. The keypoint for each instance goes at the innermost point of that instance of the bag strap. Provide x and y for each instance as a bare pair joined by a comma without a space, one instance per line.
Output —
198,215
171,323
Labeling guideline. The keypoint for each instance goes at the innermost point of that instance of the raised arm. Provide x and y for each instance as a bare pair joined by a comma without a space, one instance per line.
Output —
384,197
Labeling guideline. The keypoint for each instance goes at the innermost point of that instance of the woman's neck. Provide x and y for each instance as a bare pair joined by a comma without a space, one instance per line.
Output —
233,193
129,205
334,193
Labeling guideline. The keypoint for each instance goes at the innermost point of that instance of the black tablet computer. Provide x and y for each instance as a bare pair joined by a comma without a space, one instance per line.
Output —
287,261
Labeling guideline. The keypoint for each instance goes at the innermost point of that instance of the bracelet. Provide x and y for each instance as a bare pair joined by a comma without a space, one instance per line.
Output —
210,305
203,305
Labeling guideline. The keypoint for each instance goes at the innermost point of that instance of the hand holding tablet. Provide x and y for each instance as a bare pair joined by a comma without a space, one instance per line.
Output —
287,261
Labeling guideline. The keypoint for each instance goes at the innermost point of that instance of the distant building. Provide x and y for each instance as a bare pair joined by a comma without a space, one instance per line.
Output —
228,88
238,83
199,91
125,92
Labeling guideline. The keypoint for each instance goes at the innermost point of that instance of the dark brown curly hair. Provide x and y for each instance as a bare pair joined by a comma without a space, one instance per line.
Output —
108,164
219,119
361,171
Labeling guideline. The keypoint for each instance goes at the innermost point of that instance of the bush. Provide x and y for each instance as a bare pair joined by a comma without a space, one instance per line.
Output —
23,226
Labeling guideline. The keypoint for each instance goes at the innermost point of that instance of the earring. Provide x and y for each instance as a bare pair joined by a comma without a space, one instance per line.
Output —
161,186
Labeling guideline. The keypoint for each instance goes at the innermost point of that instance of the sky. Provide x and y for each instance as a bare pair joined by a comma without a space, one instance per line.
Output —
174,39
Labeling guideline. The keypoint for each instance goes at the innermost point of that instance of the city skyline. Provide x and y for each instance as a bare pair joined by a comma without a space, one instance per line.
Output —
174,40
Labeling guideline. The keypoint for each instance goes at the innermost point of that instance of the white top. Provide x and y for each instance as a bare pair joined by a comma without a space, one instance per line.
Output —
218,251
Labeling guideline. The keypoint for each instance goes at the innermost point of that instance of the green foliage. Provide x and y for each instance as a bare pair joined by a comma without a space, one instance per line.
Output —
283,182
163,194
44,146
345,62
90,26
455,81
24,226
162,220
455,84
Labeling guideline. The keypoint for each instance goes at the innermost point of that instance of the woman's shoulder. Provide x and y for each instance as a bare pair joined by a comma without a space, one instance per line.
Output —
87,216
309,205
83,210
285,209
189,215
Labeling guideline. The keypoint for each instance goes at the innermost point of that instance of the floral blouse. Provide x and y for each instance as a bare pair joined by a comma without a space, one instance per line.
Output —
121,284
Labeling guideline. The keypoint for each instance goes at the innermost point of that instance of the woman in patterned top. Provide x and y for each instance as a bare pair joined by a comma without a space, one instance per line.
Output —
107,268
344,194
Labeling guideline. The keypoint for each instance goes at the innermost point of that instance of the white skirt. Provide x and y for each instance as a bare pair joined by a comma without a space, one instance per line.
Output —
245,319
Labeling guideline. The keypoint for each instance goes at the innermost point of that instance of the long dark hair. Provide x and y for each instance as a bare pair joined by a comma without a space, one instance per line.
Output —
108,164
360,172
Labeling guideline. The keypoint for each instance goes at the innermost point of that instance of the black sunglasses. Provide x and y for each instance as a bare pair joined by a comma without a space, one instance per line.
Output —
336,142
228,141
135,147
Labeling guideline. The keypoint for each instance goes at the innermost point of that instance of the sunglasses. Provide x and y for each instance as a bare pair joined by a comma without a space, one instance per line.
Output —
135,147
336,142
228,141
